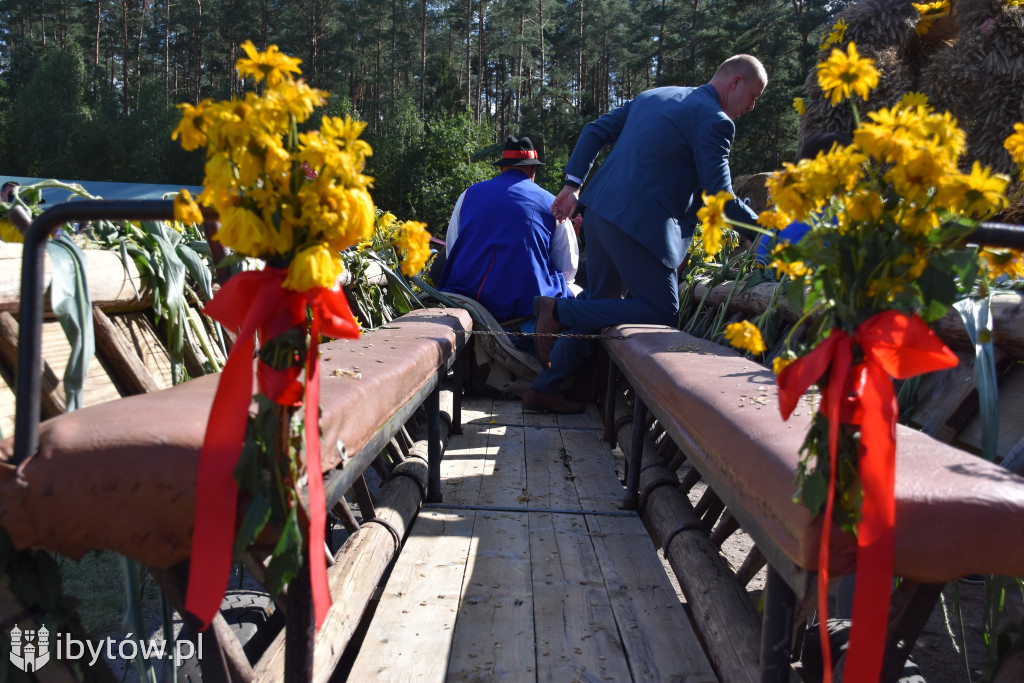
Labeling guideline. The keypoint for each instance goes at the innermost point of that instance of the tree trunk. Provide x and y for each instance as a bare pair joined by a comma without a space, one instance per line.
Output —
423,58
480,67
469,52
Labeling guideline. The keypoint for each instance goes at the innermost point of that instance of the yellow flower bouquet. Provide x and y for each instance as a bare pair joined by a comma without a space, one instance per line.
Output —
294,199
886,253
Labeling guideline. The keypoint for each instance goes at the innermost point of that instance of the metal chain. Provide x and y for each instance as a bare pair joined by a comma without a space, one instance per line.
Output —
571,335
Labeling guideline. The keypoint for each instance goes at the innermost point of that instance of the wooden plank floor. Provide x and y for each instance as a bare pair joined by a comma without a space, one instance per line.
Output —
529,571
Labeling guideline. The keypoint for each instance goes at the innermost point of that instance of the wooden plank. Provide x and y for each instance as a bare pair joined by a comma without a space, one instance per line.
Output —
1011,416
130,373
494,637
588,419
658,637
467,460
507,412
113,286
504,478
411,634
7,409
148,343
576,637
550,480
51,392
98,387
592,467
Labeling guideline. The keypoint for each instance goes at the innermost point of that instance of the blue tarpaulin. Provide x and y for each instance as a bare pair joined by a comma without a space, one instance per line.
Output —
104,190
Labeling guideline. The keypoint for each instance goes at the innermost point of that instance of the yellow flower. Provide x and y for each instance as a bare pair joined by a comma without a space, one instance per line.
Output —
272,65
929,12
712,218
1015,3
745,336
780,363
1015,143
836,37
185,208
9,233
912,100
314,266
798,104
1009,262
413,244
978,194
794,270
190,128
846,74
775,220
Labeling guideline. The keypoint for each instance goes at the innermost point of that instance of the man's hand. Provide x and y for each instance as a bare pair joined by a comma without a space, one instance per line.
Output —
564,206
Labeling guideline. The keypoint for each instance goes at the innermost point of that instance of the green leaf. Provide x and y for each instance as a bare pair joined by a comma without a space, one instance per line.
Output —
256,517
287,556
69,299
197,269
814,490
977,317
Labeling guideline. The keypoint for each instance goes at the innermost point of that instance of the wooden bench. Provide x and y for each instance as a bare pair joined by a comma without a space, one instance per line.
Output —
721,410
121,475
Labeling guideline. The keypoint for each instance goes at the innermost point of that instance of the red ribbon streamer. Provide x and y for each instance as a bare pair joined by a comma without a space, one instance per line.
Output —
894,345
252,302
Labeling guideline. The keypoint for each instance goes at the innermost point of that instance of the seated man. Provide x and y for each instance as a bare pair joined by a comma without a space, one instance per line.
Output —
505,248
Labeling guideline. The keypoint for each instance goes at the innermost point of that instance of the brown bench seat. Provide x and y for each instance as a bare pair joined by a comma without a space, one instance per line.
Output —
121,475
953,509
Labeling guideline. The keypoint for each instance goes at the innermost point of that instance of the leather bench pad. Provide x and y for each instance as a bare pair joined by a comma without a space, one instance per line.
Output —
121,475
956,513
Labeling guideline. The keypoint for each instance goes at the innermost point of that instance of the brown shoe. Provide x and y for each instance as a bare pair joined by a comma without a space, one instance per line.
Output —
538,402
544,309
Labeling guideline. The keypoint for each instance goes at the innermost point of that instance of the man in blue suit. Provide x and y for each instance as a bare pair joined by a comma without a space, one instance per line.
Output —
670,144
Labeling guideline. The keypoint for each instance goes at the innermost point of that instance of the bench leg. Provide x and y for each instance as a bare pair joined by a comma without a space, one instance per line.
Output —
433,405
777,628
636,455
609,403
458,379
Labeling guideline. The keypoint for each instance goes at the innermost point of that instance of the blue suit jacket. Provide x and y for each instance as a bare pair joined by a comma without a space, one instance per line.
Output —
669,144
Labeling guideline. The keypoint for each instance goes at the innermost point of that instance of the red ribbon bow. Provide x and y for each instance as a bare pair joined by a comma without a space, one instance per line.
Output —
252,302
898,346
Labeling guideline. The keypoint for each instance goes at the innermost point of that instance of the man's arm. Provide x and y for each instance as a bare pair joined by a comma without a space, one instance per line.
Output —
712,161
453,226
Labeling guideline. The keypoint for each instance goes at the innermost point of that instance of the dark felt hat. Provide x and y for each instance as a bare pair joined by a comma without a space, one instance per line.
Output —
518,152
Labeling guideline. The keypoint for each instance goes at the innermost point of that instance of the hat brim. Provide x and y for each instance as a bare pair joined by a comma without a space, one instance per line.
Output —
519,162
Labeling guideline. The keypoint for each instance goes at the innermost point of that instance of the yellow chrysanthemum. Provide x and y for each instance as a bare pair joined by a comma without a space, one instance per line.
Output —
185,208
847,73
799,106
780,363
712,218
312,267
1015,3
745,336
1015,143
836,37
413,244
1009,262
272,65
9,233
794,270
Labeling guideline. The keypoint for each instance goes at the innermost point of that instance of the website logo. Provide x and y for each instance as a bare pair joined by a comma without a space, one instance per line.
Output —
30,649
